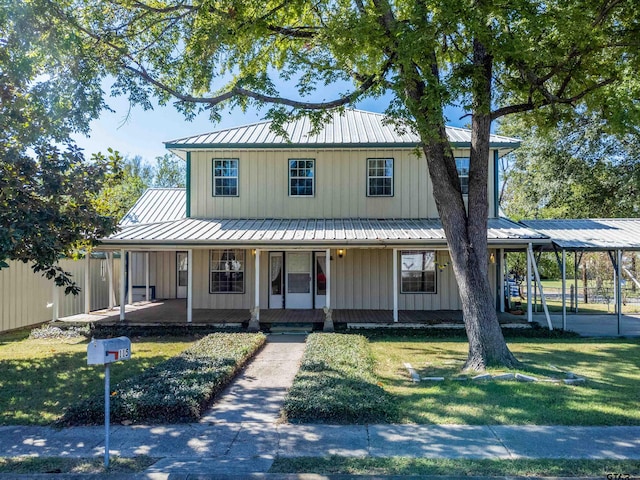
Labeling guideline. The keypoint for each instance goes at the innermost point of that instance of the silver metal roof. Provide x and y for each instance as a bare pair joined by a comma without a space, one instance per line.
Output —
301,232
590,234
157,205
349,128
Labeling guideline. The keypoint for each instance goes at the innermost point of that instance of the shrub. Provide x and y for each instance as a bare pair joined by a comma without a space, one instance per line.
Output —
336,383
177,390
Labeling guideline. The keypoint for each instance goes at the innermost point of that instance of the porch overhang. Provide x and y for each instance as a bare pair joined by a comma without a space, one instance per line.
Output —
309,233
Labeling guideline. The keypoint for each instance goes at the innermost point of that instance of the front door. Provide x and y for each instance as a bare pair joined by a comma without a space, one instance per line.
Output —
298,280
276,280
182,264
321,280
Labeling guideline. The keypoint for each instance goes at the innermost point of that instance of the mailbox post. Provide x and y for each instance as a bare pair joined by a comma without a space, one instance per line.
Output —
105,352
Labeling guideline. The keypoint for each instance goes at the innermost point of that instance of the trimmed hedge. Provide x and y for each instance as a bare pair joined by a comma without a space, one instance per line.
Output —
336,383
177,390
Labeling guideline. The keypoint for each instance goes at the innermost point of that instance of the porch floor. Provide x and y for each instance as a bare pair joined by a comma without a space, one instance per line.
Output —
174,312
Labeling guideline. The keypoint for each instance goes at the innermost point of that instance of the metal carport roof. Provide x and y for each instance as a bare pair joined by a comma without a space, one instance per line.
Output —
590,234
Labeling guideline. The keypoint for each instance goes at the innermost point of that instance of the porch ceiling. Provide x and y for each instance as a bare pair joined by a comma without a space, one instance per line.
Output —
362,232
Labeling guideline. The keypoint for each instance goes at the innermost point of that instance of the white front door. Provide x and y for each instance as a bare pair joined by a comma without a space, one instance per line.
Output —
182,264
276,280
298,280
321,280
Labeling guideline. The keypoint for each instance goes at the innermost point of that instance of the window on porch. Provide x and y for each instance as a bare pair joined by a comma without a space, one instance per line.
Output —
418,271
227,271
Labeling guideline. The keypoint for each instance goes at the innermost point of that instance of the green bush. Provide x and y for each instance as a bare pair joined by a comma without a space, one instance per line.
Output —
336,383
175,391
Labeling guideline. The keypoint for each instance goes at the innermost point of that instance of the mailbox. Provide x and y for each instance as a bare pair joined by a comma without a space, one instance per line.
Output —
109,350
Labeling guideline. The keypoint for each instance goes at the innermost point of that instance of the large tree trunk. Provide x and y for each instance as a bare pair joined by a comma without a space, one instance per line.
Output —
467,233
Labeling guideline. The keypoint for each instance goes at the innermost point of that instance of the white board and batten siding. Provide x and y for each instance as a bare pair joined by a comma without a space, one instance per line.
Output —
361,279
26,298
340,185
162,272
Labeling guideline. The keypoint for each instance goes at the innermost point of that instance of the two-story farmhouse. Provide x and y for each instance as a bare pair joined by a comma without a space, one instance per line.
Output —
337,221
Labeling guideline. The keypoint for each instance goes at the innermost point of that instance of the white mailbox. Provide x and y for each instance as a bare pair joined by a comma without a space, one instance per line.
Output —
109,350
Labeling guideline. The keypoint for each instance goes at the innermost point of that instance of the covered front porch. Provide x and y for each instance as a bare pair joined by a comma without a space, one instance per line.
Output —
174,312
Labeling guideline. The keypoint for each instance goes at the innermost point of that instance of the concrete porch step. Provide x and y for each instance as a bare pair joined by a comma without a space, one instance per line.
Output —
292,328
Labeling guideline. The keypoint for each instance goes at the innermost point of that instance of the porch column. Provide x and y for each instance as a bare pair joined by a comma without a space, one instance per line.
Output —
130,278
619,287
256,300
87,283
327,273
529,305
123,261
501,267
189,285
564,289
539,283
146,276
110,275
395,284
56,303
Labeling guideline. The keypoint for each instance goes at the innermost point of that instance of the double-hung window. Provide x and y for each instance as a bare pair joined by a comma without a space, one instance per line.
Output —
227,271
462,165
418,271
379,177
301,177
225,177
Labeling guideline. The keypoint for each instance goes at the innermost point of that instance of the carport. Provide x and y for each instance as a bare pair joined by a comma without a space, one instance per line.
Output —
613,236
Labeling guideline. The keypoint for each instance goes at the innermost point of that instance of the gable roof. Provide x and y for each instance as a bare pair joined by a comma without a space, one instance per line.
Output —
351,128
157,205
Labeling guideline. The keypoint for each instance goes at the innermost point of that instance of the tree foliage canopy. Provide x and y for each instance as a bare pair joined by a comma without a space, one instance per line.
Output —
577,170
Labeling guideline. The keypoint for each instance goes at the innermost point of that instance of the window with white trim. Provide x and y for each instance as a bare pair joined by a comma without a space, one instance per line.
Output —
379,177
225,177
462,165
418,271
301,177
227,271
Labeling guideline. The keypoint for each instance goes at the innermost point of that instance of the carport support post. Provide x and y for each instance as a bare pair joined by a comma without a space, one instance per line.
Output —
189,285
87,283
146,276
529,305
123,261
564,289
619,287
395,284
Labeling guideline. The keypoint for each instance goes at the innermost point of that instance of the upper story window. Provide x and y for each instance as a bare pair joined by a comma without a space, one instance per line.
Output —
225,177
227,271
379,177
418,271
301,177
462,165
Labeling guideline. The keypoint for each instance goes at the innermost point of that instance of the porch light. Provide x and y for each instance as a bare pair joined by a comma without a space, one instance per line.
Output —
492,258
253,252
340,252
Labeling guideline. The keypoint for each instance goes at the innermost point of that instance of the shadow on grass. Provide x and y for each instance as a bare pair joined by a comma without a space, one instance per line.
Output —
36,391
608,397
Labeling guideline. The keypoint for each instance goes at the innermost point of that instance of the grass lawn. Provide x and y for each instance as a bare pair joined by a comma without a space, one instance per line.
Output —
40,377
34,465
456,468
609,396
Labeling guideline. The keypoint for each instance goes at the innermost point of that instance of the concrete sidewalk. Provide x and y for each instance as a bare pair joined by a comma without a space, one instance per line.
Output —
243,448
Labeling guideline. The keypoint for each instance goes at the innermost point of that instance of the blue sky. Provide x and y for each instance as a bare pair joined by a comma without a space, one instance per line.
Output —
133,131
